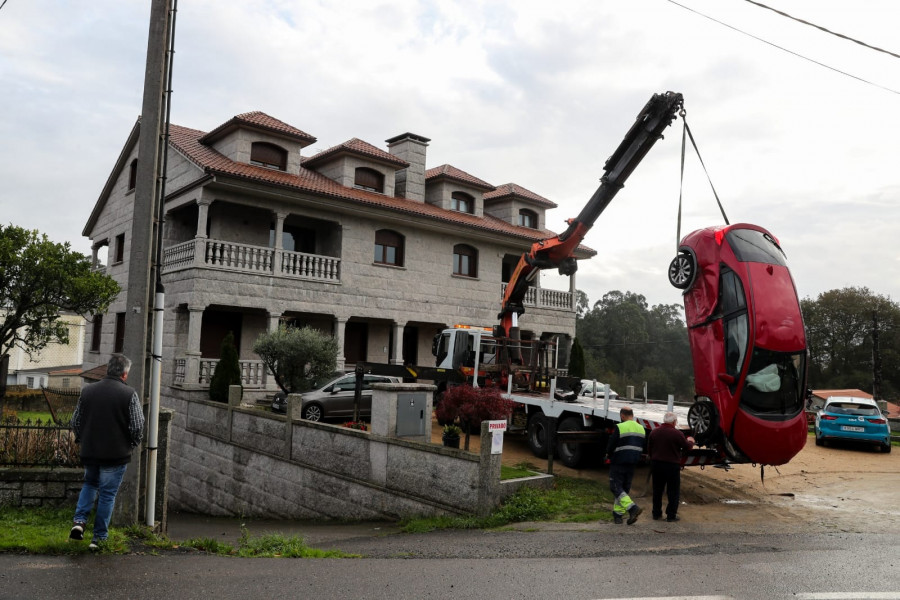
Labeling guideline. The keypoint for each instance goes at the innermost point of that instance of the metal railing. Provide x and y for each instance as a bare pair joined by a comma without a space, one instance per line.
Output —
37,444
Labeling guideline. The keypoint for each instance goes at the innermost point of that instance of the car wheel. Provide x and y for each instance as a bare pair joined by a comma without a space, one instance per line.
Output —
313,412
538,435
819,441
683,270
886,448
571,455
703,420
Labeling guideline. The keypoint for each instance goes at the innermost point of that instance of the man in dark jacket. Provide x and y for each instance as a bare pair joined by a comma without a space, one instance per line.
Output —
666,445
626,444
108,423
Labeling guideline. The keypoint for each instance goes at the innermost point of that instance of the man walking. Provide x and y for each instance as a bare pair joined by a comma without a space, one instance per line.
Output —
108,423
666,445
626,444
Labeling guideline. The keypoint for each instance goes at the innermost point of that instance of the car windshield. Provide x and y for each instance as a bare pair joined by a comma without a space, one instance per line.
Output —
775,383
750,245
851,408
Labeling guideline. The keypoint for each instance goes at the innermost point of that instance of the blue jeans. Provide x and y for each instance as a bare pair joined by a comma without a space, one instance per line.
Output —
101,484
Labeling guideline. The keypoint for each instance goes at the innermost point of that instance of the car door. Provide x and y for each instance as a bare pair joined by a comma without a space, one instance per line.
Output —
340,402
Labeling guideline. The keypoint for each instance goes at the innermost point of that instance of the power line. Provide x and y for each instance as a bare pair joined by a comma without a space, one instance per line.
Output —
819,27
821,64
4,4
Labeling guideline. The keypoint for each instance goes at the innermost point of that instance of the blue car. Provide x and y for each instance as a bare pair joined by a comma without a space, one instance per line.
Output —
853,420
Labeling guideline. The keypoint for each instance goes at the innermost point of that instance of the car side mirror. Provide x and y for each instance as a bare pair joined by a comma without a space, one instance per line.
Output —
728,379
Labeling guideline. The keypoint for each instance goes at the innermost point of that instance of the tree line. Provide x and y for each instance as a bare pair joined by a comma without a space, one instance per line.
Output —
853,336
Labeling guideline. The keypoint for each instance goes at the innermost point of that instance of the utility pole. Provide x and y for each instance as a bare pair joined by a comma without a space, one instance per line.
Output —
876,359
139,291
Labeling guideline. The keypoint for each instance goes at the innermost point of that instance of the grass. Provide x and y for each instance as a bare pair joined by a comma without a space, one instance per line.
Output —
569,501
46,531
44,417
517,471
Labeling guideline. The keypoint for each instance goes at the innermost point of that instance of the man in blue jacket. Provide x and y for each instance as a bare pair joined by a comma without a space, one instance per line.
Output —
626,444
108,423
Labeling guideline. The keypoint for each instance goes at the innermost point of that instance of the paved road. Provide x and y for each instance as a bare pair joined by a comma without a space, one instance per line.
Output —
576,561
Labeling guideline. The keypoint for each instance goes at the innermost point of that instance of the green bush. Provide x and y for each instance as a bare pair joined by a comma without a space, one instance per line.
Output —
228,371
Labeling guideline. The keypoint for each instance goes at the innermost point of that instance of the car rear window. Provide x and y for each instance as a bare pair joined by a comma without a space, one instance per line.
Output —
750,245
849,408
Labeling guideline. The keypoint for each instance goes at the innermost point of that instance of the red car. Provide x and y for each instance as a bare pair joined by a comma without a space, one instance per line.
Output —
747,341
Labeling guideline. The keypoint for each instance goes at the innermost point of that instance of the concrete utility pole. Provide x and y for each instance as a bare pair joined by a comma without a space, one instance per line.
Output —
139,295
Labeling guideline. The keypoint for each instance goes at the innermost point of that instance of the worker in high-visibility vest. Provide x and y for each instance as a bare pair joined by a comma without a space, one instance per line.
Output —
626,444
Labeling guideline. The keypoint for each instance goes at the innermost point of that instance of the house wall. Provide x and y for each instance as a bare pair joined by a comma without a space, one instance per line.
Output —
343,170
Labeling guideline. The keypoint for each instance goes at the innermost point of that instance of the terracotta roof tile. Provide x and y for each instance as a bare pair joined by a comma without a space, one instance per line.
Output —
187,141
358,147
452,173
517,191
258,120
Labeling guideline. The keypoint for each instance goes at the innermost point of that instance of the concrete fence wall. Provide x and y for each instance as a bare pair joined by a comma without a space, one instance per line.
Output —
40,486
231,460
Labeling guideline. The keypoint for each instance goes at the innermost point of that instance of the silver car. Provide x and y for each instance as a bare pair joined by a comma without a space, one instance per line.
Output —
587,390
334,400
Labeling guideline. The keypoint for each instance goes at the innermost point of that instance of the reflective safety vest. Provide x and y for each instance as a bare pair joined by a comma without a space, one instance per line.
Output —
630,446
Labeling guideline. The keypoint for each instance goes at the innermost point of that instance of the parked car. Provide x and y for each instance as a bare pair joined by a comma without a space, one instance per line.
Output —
852,419
335,399
747,341
587,389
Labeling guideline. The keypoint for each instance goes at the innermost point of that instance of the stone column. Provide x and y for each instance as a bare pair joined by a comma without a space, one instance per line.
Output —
573,291
397,350
279,240
200,236
274,322
192,354
94,249
340,328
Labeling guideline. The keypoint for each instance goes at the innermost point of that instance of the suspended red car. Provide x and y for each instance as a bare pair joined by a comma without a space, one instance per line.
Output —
747,341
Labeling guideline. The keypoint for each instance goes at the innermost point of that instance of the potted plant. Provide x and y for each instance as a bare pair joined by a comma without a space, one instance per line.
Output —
451,435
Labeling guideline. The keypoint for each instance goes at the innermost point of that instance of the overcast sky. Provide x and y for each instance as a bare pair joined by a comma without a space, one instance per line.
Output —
526,91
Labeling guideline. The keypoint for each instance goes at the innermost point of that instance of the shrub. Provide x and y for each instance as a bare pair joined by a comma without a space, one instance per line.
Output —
470,406
228,371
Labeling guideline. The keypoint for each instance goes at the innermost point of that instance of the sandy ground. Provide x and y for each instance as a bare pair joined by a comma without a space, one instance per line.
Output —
835,489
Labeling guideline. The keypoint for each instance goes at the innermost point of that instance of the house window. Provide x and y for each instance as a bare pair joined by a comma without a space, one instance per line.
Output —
120,247
388,248
29,383
465,260
264,154
132,175
120,332
369,179
528,218
66,382
462,202
95,333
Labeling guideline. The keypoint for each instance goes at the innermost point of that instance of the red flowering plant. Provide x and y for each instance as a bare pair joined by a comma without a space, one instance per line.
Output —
470,406
360,425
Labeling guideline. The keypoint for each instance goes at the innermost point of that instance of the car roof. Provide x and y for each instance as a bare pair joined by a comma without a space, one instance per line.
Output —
853,399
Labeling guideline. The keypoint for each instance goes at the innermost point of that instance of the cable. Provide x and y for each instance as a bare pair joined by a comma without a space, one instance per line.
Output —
4,4
887,89
819,27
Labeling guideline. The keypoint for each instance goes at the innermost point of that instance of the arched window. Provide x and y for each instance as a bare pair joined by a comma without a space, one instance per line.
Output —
465,260
388,248
369,179
264,154
528,218
132,175
462,202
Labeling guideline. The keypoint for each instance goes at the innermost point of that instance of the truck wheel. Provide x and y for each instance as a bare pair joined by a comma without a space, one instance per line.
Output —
570,454
537,435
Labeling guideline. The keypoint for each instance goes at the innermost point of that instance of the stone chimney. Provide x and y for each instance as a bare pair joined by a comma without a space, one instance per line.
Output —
410,182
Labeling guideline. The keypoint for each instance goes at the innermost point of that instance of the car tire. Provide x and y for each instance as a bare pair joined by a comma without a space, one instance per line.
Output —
538,436
313,412
683,270
819,441
571,455
703,419
886,448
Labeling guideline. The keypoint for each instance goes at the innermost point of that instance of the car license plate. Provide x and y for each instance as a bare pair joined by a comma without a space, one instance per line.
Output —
849,428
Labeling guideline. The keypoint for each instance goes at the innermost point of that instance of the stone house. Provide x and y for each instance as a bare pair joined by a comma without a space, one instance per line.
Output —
56,365
367,244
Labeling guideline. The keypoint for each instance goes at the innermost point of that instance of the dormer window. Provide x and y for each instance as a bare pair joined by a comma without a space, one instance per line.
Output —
528,218
368,179
462,202
270,156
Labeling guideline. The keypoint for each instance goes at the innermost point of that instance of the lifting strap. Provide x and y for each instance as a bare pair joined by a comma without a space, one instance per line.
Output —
686,133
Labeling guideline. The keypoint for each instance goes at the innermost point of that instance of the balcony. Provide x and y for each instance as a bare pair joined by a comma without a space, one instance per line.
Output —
545,298
253,373
244,258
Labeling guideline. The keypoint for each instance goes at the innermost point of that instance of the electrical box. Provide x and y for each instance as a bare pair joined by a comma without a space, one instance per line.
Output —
411,413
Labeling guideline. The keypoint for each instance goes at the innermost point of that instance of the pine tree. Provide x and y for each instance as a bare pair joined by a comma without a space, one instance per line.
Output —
576,360
228,370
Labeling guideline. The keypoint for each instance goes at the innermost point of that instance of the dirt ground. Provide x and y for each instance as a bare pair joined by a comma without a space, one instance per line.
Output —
835,489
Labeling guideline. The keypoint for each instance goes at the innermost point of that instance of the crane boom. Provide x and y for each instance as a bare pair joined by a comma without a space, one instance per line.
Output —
558,252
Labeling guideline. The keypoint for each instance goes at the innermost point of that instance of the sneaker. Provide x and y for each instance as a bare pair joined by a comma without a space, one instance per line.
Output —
77,532
633,513
657,517
617,518
95,544
673,519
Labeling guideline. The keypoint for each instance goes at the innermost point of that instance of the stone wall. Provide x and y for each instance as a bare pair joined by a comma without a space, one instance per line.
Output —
22,487
230,460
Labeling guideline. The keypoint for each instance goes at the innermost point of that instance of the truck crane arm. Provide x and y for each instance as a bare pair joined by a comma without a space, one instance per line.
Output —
558,252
